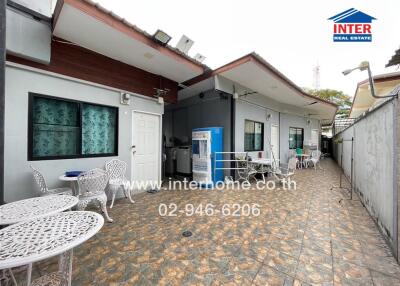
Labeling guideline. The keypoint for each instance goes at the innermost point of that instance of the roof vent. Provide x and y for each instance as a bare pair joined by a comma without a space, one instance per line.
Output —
184,44
200,58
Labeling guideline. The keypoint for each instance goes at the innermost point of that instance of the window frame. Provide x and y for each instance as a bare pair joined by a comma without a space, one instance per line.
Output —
262,136
80,103
302,137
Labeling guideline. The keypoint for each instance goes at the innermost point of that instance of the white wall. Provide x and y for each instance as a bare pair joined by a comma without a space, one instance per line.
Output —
19,182
247,110
373,175
256,108
287,121
27,37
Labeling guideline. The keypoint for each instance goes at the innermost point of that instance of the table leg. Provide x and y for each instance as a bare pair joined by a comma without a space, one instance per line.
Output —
74,188
29,274
4,277
65,267
13,277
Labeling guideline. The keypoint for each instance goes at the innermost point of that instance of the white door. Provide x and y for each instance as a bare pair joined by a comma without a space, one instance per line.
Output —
275,141
315,137
146,147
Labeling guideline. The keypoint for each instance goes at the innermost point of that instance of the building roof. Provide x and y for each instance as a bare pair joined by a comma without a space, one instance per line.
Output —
116,38
395,60
352,16
363,100
255,73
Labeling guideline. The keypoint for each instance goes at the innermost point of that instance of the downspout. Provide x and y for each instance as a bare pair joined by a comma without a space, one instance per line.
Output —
233,115
395,182
2,92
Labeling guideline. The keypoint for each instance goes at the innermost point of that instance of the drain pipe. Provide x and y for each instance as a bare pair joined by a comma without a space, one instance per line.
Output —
352,168
233,115
396,233
2,92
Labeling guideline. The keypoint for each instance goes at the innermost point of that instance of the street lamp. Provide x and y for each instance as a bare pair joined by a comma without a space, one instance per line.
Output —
365,66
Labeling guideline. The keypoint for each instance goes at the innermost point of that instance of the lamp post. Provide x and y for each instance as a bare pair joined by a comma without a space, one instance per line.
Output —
2,92
365,66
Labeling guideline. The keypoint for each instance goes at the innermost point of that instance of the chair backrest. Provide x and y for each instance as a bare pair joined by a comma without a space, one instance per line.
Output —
39,180
292,164
116,169
92,182
299,151
316,154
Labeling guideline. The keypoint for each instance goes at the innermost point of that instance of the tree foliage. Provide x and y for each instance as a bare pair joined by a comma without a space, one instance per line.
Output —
336,96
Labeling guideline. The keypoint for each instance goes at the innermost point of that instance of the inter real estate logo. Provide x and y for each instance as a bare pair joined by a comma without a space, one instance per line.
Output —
352,26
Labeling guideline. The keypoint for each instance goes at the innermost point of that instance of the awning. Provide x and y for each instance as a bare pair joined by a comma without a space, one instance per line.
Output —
254,73
89,25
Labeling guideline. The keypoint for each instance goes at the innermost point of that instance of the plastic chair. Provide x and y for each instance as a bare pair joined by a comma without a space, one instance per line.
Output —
315,159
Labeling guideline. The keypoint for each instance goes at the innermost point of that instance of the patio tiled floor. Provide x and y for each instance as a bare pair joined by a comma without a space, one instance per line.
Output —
313,235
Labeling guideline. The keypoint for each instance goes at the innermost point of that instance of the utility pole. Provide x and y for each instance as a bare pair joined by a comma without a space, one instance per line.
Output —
316,77
2,92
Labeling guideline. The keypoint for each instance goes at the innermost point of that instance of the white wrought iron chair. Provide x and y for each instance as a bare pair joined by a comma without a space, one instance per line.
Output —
116,179
282,174
92,185
245,170
44,191
315,159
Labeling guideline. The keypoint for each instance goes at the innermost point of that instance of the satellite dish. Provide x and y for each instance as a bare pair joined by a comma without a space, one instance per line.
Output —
184,44
200,58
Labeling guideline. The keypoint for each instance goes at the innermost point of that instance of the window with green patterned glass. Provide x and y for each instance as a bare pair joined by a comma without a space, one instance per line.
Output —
253,136
99,125
296,137
62,129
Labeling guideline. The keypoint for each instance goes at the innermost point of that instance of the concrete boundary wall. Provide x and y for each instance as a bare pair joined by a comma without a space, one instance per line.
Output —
374,165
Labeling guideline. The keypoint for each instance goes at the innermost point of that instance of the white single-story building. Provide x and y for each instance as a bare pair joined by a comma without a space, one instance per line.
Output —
83,86
66,75
261,110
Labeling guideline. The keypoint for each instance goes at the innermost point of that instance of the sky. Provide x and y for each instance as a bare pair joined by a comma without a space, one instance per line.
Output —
294,36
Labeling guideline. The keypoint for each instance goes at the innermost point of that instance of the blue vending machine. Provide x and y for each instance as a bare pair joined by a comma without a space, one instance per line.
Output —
205,142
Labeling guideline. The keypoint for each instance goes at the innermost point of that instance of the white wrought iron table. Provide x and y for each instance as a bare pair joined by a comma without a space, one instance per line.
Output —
73,182
264,165
35,208
34,240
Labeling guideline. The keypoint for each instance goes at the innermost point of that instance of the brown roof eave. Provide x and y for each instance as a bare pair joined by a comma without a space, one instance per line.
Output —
263,64
100,13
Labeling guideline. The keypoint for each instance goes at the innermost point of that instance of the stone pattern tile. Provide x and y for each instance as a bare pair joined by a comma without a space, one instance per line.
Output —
310,236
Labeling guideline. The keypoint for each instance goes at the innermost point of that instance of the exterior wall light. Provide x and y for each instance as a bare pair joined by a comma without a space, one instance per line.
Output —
160,93
125,98
162,37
